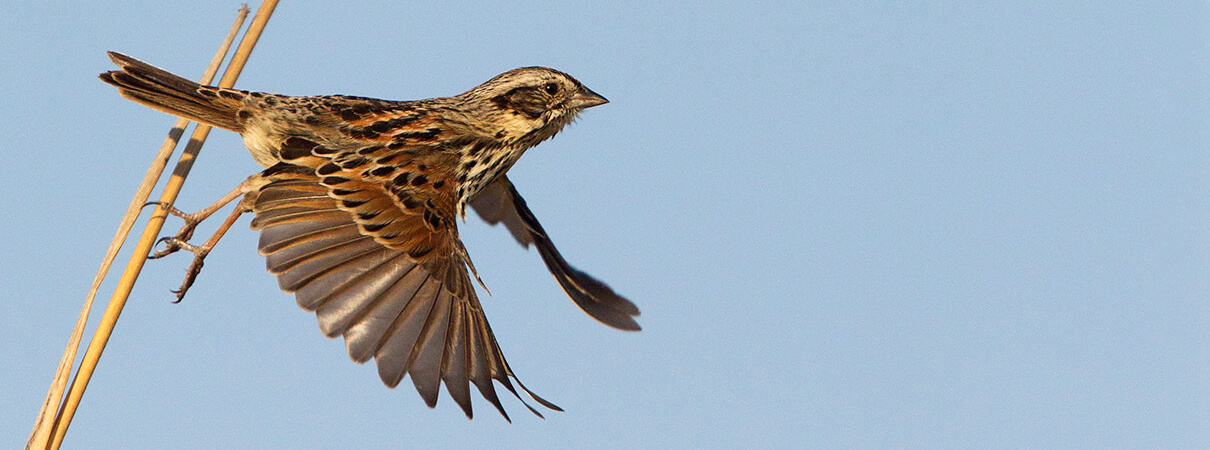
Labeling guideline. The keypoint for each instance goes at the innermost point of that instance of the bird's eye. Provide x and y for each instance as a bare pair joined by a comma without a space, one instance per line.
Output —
551,88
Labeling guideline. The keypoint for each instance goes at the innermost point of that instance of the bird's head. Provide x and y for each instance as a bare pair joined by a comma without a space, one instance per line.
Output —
530,104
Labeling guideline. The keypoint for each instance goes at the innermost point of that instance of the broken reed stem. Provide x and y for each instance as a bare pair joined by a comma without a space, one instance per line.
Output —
151,232
43,425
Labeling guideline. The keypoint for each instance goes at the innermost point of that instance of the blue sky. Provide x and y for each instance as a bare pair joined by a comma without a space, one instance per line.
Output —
847,226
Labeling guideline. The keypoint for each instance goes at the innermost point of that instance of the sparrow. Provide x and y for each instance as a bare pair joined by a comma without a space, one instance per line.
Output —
357,210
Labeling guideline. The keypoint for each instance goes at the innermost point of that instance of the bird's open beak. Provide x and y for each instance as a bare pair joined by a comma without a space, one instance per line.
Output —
586,98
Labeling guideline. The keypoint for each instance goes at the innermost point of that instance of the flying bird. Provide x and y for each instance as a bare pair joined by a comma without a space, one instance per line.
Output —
357,210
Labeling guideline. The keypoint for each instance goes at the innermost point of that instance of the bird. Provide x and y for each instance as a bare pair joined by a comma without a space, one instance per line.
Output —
357,210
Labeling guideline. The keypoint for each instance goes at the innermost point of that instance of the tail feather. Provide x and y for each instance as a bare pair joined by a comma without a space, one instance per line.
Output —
163,91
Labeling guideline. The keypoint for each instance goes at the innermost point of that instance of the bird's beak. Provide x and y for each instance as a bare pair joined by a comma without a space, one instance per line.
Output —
586,98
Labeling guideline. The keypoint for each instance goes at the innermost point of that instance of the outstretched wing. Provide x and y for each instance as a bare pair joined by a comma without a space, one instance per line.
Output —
380,263
500,202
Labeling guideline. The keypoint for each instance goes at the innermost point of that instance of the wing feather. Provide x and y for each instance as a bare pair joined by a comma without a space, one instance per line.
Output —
368,335
382,265
428,352
454,365
500,203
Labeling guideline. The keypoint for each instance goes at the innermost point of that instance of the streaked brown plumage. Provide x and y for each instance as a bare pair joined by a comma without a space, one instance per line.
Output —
357,211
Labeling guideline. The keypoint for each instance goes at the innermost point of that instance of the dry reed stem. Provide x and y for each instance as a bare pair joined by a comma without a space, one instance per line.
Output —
56,430
43,425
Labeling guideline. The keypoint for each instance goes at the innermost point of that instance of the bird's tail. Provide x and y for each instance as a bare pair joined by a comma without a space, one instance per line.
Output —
163,91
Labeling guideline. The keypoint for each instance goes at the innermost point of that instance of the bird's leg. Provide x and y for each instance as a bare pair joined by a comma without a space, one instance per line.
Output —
180,241
200,251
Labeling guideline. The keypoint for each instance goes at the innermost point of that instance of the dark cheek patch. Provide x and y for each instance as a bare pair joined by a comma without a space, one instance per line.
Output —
522,101
532,112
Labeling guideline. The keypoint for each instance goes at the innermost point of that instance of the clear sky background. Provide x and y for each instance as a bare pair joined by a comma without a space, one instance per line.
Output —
847,224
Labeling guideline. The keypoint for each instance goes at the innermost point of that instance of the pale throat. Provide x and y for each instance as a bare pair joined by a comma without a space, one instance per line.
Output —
484,167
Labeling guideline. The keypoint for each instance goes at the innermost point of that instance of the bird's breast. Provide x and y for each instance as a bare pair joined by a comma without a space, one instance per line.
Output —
476,170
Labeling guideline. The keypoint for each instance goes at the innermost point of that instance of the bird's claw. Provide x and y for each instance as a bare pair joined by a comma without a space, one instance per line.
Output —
195,267
180,241
171,245
190,276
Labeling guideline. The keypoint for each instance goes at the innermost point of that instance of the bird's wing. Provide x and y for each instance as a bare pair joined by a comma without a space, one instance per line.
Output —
500,202
376,255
